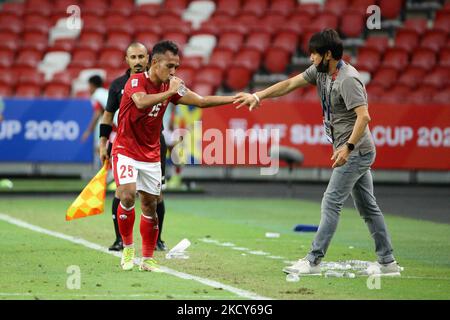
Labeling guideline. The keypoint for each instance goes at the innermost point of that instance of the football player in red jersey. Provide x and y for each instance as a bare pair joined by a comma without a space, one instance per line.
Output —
136,149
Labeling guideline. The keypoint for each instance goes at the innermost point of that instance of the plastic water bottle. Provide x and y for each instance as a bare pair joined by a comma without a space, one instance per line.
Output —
334,274
179,250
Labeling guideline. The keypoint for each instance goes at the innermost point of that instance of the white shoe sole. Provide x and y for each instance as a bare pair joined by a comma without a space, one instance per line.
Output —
289,271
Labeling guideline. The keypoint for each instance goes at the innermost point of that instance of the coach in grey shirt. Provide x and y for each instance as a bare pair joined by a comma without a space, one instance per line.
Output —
345,118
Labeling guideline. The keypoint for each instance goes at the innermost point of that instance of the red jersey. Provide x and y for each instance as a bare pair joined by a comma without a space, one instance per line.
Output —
139,130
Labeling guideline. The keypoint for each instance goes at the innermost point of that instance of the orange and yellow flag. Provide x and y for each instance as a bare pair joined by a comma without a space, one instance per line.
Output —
91,200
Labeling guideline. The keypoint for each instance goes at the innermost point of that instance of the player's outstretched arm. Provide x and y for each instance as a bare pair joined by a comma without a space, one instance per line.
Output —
192,98
279,89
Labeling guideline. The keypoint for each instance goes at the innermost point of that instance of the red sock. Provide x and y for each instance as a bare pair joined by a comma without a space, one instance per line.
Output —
125,218
149,234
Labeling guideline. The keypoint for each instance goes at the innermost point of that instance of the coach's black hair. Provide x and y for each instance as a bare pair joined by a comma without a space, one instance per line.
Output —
96,81
325,40
163,46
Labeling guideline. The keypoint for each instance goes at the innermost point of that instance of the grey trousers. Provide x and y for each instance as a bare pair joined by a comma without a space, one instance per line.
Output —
354,177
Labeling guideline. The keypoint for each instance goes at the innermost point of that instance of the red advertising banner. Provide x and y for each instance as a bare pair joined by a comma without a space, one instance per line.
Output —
406,136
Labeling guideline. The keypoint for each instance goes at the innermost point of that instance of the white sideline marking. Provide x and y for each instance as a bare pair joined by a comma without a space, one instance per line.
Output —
94,246
45,295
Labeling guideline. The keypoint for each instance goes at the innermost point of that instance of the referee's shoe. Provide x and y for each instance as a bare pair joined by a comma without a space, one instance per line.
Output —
116,246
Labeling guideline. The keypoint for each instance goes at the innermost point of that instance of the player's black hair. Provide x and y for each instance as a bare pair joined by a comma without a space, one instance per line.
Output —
325,40
96,81
164,46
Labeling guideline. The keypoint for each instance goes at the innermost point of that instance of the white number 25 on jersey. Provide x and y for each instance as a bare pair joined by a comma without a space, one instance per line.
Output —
155,110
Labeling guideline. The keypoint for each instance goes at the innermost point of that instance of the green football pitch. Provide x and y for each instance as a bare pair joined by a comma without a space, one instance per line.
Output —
229,258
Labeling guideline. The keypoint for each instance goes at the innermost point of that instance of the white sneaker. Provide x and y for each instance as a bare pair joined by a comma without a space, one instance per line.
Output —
390,269
303,267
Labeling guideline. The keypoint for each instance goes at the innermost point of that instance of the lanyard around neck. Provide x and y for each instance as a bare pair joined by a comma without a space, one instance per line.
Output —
326,105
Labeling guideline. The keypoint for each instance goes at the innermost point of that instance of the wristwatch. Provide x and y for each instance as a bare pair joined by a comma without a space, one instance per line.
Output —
350,146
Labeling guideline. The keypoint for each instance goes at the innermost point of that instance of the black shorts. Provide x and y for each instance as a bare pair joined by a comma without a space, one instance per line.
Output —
163,159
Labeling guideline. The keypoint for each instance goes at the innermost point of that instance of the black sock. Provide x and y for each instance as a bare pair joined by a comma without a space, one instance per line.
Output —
115,205
160,211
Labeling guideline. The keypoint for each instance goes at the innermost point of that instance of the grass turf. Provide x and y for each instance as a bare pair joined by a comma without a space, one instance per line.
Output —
34,265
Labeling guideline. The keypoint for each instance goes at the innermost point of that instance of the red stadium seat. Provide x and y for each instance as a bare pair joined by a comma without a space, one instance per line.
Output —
59,7
438,79
434,40
276,60
95,7
28,91
148,39
84,58
211,75
10,23
192,62
175,6
301,18
385,77
221,58
283,7
442,23
203,89
310,8
422,95
8,77
64,77
9,41
57,90
37,23
406,39
412,77
442,96
38,7
179,38
230,41
444,57
63,45
6,58
118,40
395,95
286,40
30,76
368,59
390,9
248,58
396,58
93,23
15,8
5,90
258,40
419,25
187,74
352,23
379,43
374,92
336,7
28,58
119,23
228,7
238,78
124,7
112,58
255,7
90,40
423,58
35,40
325,20
113,73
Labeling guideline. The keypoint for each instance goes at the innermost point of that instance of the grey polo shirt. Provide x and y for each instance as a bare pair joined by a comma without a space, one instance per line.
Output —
348,92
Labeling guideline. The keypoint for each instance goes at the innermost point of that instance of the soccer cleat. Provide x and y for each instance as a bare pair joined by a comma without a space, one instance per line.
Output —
391,269
149,265
116,246
303,267
161,246
127,258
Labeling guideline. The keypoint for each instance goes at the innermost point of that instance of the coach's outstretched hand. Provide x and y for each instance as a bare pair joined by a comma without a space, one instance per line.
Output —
246,99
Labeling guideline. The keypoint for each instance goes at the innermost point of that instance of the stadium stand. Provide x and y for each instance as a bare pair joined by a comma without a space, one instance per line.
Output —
226,44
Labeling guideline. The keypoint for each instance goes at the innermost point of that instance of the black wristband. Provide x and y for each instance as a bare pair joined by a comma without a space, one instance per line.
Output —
105,130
